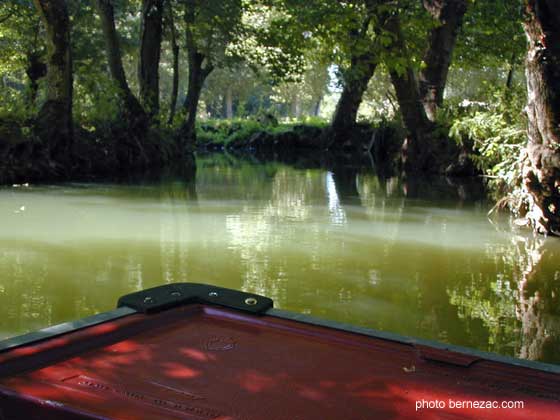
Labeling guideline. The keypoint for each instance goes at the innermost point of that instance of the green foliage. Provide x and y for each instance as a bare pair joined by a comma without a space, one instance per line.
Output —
96,103
273,39
226,131
492,33
13,102
497,133
282,57
214,25
19,34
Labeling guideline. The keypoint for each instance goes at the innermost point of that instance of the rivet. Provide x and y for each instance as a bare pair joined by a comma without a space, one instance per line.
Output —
149,299
213,294
251,301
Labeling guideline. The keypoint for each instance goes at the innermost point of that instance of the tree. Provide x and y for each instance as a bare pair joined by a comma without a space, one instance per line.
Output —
150,52
55,117
198,72
418,147
359,39
541,163
363,62
228,89
132,111
170,23
303,96
437,59
129,148
488,51
21,46
210,27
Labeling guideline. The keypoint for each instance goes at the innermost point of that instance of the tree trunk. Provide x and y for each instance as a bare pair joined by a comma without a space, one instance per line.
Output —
55,117
150,52
437,58
417,148
129,147
317,106
541,163
296,107
175,50
229,103
197,75
356,80
35,70
133,111
509,79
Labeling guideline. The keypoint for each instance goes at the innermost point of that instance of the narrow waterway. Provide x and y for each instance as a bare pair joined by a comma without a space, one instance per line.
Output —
341,244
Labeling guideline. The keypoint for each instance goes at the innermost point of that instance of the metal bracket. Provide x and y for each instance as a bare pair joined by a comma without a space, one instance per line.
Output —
177,294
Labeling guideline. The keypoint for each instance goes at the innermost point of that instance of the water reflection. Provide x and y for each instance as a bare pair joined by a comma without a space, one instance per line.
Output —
336,211
336,242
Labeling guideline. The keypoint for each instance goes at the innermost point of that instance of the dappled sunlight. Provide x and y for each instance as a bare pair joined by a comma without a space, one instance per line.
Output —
197,355
177,370
254,381
291,369
310,393
126,346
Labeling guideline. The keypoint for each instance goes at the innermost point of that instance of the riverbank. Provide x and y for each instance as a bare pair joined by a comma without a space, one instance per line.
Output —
114,152
381,144
94,154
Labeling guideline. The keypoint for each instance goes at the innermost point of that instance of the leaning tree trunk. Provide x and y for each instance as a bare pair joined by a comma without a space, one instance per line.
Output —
197,75
129,148
150,52
437,59
541,165
133,112
356,80
417,150
55,117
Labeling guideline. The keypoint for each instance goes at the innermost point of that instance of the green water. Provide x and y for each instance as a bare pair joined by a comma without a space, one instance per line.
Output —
338,244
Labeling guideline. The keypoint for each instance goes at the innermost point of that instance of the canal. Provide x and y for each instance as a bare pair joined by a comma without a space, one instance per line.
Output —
414,258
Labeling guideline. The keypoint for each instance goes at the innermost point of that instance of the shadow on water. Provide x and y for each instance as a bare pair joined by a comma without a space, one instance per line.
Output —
412,256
